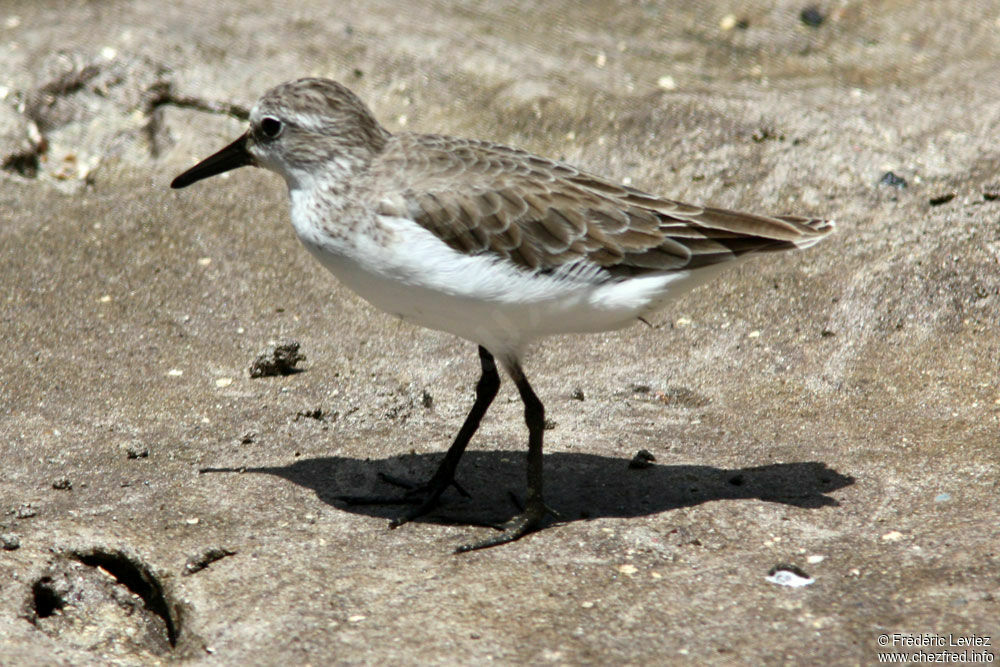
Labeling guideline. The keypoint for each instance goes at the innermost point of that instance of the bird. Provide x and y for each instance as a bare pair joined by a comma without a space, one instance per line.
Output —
488,242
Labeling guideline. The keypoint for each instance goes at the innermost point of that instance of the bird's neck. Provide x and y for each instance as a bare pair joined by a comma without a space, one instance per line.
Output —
324,213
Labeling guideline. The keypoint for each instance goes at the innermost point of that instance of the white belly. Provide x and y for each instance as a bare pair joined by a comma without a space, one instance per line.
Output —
480,298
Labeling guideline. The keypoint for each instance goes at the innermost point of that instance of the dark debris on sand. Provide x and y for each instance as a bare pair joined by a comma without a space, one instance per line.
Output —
279,359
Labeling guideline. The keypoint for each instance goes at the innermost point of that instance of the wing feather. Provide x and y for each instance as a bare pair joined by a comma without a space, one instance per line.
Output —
480,197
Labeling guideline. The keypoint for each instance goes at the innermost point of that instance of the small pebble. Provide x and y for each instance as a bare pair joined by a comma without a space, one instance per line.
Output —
893,180
426,399
642,459
62,484
279,359
10,541
812,16
941,199
577,394
137,451
789,575
892,536
942,497
666,83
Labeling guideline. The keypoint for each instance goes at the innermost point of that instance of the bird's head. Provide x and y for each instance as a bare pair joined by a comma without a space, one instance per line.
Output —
304,130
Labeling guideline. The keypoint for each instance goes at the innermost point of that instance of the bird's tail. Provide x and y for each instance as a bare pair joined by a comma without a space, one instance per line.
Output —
813,230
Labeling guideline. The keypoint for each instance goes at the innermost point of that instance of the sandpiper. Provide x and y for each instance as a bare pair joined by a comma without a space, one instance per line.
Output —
487,242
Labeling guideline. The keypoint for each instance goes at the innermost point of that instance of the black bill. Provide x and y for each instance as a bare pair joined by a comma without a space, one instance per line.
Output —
233,156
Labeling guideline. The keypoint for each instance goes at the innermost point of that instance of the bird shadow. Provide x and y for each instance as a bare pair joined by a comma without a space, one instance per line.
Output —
578,486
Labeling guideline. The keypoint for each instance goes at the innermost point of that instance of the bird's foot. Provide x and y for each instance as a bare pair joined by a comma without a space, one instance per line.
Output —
424,497
515,528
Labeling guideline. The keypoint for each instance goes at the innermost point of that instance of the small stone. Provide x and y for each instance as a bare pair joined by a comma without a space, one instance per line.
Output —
426,399
942,497
356,618
789,575
222,383
666,83
278,359
893,180
248,437
628,569
62,484
892,536
577,394
812,16
26,511
137,451
815,558
728,22
642,459
10,542
941,199
550,424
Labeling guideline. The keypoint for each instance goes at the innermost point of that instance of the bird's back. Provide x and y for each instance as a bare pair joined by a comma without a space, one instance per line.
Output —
479,197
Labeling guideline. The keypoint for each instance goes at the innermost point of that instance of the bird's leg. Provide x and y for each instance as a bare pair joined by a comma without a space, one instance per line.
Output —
426,496
535,510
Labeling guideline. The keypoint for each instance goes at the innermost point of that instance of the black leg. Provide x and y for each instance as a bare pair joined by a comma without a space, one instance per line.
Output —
535,510
426,496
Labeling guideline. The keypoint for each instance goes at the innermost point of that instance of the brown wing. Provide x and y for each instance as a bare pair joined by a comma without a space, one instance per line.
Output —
479,197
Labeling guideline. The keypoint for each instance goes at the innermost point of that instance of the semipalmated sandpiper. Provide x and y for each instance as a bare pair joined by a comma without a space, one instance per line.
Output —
490,243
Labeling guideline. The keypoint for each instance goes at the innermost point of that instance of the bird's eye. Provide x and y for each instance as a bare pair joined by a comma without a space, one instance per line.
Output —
270,127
